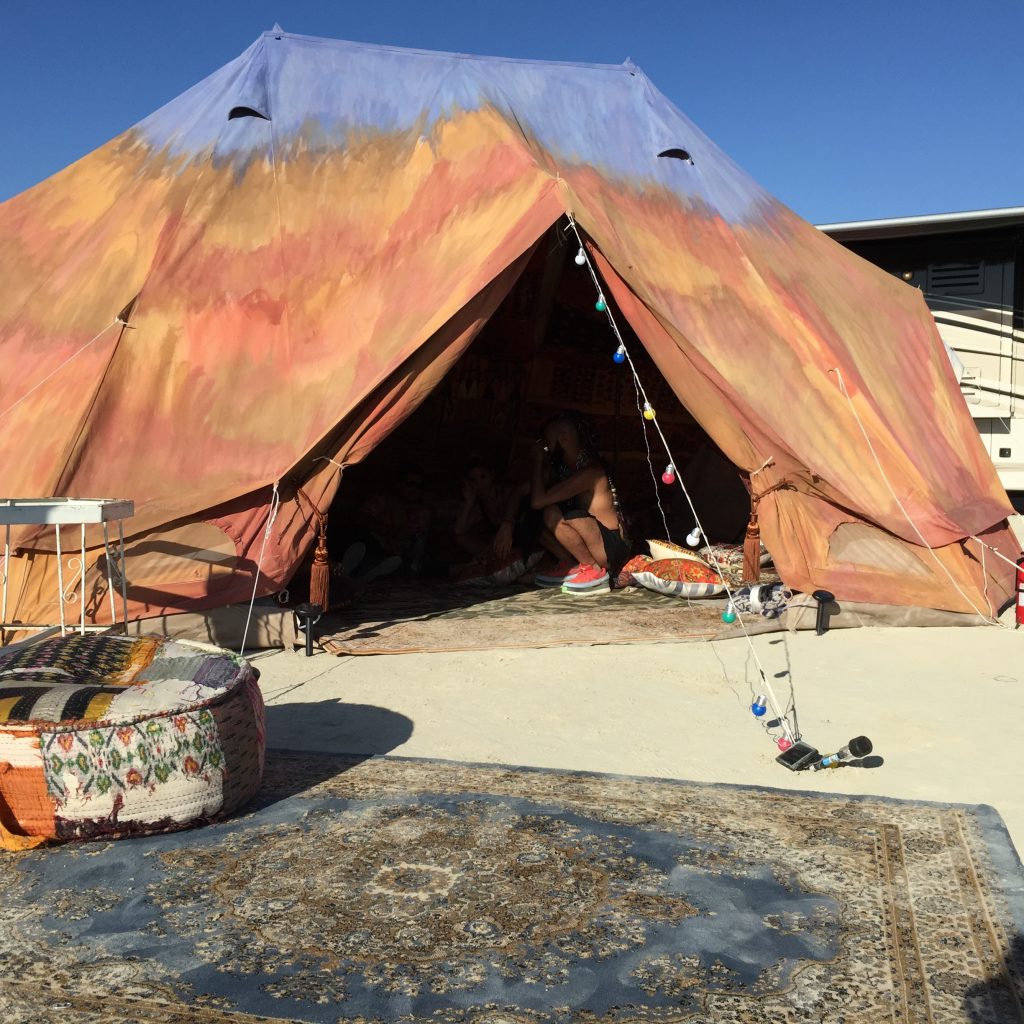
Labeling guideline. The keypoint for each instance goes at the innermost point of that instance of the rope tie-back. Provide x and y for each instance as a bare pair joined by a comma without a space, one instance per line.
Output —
782,485
752,536
995,551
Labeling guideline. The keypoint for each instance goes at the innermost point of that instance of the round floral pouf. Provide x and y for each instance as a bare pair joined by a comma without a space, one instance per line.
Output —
103,736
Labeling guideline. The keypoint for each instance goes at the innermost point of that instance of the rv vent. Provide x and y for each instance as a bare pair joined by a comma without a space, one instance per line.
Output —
956,278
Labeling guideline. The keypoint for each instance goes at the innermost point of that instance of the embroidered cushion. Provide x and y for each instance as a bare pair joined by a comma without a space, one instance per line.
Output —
625,576
730,558
730,555
680,577
105,736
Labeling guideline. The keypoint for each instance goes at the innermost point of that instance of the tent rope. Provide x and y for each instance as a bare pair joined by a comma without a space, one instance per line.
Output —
782,718
892,490
74,355
995,551
275,504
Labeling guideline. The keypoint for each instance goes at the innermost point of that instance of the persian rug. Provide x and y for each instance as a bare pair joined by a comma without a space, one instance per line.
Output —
422,892
402,618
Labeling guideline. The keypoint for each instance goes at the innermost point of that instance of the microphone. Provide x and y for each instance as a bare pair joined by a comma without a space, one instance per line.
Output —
859,746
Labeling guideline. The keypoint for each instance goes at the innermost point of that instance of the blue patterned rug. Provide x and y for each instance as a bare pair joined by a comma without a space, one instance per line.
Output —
400,890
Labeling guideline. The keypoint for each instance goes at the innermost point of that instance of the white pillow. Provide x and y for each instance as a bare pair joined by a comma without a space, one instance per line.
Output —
668,549
676,588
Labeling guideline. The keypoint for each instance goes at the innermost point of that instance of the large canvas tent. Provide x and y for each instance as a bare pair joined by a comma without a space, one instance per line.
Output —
259,281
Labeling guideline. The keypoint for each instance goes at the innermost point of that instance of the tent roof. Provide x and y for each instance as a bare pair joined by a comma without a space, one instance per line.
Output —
607,115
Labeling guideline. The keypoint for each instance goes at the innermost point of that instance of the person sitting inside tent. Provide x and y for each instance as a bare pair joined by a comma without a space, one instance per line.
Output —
389,530
496,526
580,509
495,518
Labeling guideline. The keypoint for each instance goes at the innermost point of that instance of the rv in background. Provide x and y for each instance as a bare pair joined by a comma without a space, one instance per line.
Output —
970,267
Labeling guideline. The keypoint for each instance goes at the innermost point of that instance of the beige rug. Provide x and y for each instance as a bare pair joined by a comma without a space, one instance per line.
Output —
394,891
402,618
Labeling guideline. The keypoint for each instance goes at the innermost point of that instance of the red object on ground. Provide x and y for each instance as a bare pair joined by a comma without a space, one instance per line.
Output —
587,576
1020,592
563,572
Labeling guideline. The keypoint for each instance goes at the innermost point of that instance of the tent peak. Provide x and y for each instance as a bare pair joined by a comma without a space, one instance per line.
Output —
297,38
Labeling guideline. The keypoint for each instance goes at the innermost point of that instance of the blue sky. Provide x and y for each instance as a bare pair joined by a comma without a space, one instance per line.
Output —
843,110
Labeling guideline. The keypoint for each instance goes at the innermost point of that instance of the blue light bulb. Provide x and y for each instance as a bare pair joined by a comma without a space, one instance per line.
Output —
620,355
760,707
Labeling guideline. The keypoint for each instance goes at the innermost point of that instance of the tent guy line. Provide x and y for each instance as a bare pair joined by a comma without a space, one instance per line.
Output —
74,355
275,504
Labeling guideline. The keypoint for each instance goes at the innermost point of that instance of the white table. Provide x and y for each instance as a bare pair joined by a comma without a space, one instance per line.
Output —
58,512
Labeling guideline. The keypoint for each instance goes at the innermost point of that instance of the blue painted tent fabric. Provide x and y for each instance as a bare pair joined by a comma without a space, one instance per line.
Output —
300,246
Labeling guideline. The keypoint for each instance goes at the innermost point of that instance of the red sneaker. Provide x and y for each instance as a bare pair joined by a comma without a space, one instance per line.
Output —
562,573
588,578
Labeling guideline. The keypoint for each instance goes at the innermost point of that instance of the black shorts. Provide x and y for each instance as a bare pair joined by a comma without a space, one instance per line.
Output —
615,548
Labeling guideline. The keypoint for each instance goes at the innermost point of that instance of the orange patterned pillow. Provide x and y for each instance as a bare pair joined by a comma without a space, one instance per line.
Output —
680,577
634,565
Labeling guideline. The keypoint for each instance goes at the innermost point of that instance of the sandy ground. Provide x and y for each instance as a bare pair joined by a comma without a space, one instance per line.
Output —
944,708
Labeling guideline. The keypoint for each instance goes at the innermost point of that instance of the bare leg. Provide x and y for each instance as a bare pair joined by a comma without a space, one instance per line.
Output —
567,538
550,544
590,535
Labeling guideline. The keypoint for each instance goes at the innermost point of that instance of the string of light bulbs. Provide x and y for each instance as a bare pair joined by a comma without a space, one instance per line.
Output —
669,477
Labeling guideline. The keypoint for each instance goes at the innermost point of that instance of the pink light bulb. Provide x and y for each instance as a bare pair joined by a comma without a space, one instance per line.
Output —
669,476
783,743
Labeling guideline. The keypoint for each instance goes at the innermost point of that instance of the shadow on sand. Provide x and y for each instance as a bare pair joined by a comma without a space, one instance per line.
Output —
999,999
310,743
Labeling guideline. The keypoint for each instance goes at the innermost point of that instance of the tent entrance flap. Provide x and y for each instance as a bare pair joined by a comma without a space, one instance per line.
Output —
799,517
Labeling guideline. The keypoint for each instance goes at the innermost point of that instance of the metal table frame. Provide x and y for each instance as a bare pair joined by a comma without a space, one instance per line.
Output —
58,512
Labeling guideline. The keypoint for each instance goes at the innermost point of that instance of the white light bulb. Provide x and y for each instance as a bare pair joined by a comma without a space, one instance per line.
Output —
693,538
581,257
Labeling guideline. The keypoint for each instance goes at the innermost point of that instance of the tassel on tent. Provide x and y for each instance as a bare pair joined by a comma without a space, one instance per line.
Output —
320,574
752,538
752,546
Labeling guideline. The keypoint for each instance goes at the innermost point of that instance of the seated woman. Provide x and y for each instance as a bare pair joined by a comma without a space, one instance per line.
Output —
583,525
495,523
389,529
